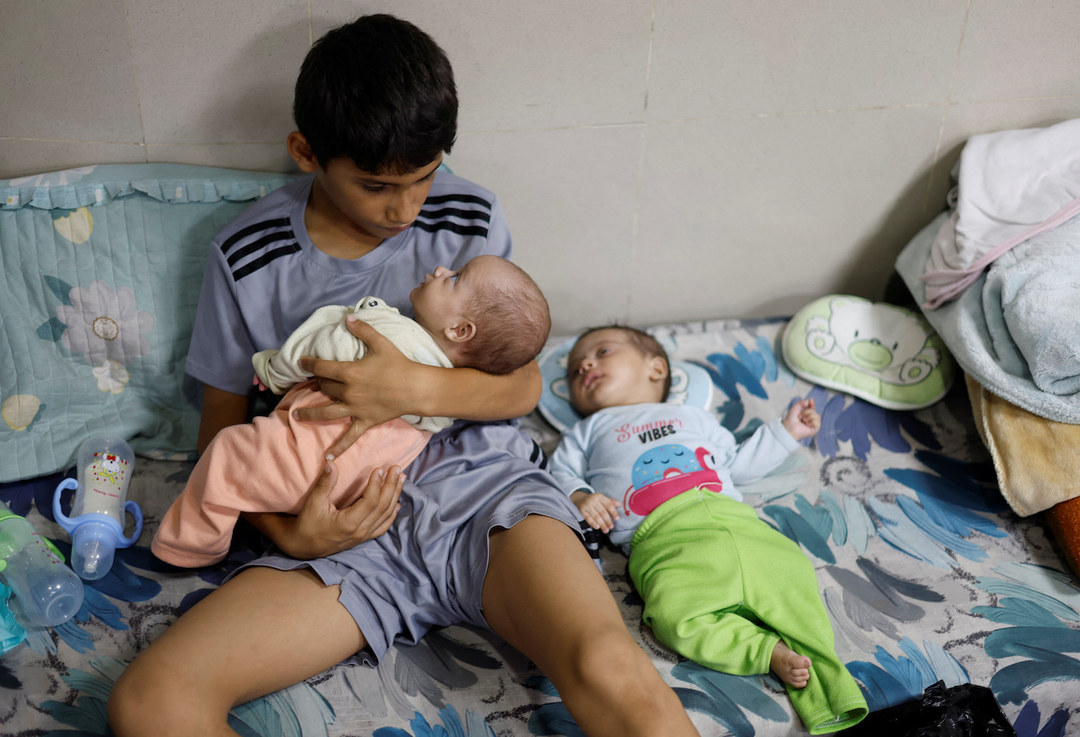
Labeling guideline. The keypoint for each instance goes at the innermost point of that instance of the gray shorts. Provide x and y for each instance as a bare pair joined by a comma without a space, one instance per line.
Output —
428,570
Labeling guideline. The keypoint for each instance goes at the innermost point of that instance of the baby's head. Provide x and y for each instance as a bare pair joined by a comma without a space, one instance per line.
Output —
613,366
488,315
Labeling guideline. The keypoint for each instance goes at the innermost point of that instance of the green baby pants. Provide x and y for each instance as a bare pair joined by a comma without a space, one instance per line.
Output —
721,588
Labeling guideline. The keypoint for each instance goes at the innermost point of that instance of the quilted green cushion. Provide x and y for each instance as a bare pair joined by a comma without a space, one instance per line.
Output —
884,354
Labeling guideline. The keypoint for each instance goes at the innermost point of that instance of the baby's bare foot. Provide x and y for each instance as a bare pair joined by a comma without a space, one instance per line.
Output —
792,668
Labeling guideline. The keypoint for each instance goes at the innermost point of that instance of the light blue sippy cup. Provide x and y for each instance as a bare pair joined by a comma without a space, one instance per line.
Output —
45,591
96,525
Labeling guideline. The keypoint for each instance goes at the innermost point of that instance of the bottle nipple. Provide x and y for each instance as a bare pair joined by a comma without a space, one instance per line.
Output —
93,545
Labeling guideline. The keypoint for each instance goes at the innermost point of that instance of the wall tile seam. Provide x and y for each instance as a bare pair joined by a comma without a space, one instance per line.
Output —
652,121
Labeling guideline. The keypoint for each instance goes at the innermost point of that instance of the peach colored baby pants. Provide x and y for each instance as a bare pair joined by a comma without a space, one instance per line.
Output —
269,465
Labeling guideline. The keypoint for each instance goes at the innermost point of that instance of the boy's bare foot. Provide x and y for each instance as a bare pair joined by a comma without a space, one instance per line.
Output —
792,668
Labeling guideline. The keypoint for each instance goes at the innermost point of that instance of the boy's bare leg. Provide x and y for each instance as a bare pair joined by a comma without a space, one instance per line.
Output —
545,597
259,632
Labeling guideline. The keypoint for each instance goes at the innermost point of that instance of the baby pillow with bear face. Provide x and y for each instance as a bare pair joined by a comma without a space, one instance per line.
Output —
886,355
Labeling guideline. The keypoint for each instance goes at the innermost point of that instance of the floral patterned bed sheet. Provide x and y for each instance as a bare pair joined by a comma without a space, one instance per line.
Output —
926,574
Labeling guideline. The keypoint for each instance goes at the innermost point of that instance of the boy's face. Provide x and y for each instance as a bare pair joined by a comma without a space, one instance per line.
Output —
375,206
607,369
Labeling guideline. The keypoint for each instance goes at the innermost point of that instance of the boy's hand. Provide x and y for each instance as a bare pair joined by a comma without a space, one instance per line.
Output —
322,529
598,510
381,387
802,420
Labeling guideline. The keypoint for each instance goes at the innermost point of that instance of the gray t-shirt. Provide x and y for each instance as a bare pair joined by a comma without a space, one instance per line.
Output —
264,276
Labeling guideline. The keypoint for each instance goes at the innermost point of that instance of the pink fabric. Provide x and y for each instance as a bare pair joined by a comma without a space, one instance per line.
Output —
944,285
269,466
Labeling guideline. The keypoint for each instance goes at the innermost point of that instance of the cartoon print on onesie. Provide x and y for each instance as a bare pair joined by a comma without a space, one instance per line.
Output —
666,471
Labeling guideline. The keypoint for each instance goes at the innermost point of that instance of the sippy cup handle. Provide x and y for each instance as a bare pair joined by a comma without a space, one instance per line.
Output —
69,524
58,514
132,508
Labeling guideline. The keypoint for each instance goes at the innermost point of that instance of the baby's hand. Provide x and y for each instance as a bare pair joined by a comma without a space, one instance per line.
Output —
598,510
256,381
802,420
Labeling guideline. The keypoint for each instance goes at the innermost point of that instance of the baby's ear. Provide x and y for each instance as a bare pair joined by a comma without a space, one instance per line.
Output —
658,368
461,332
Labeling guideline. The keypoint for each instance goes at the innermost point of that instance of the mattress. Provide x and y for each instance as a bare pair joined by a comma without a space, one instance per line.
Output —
926,573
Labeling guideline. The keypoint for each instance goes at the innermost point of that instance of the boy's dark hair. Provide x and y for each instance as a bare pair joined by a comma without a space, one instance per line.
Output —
645,343
513,322
379,91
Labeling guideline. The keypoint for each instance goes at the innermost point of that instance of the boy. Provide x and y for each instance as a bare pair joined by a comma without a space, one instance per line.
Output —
720,586
375,110
488,315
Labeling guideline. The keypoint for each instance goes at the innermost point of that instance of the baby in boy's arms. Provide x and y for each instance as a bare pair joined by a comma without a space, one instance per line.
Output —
510,307
488,315
720,586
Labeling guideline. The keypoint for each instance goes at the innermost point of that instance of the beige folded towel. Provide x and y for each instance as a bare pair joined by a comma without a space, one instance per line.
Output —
1037,460
1037,463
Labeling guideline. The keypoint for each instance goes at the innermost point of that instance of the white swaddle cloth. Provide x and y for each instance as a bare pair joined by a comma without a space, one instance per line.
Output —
1011,186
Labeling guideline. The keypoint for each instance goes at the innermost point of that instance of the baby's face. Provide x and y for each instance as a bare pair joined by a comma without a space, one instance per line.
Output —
444,297
607,369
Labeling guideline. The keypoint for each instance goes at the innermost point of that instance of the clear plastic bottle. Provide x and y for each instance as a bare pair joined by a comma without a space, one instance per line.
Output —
96,524
45,591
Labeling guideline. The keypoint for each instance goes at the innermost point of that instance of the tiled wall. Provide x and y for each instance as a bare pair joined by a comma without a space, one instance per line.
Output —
657,159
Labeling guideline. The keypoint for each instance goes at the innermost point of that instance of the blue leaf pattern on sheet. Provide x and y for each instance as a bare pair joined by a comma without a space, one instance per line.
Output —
724,694
731,414
728,373
1027,722
452,726
938,525
877,600
551,719
894,680
720,696
298,711
864,424
1036,602
807,526
947,502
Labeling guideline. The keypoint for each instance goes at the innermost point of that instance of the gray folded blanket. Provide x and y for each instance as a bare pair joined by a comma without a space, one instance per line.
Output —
1016,330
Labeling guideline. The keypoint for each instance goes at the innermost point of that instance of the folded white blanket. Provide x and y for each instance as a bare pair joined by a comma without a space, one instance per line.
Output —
1011,186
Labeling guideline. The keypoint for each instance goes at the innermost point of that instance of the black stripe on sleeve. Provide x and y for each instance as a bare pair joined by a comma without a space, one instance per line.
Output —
538,456
480,230
253,266
254,228
457,212
266,240
462,198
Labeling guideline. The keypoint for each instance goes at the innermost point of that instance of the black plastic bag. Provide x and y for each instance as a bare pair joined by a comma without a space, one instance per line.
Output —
959,711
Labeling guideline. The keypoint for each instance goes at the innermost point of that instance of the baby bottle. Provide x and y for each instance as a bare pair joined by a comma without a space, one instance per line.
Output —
96,525
45,591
